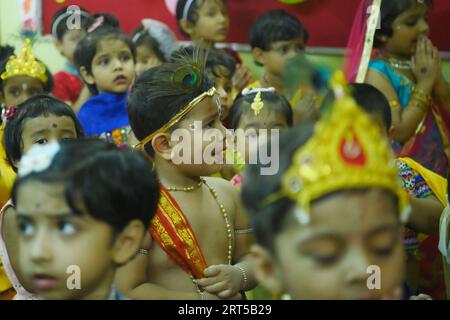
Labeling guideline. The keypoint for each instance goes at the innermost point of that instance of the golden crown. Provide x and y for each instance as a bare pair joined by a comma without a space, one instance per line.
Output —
25,64
346,151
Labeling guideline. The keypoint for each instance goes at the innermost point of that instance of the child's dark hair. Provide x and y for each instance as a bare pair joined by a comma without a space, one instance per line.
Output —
390,10
87,47
141,37
6,52
108,19
34,107
59,21
369,98
268,220
192,16
113,185
273,101
275,25
155,97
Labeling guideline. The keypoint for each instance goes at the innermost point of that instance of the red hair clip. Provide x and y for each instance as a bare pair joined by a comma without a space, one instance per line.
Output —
8,113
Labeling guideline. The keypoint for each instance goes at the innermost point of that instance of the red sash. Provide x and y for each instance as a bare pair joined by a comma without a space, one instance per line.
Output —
172,231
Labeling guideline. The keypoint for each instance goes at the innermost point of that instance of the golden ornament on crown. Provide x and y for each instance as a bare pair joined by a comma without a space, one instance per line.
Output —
25,64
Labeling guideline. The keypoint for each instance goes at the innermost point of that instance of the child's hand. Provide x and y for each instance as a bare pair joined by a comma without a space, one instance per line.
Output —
210,296
421,297
223,280
426,67
242,77
305,110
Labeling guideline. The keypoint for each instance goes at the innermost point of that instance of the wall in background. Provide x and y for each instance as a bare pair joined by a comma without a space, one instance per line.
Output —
9,34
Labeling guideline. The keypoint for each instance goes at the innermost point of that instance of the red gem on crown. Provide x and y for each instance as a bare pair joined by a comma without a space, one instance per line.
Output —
352,152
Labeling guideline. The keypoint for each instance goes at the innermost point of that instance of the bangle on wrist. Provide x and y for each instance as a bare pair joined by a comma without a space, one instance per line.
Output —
421,104
394,104
244,276
421,95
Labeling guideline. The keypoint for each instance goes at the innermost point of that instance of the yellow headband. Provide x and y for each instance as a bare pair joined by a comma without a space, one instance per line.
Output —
346,151
175,119
25,64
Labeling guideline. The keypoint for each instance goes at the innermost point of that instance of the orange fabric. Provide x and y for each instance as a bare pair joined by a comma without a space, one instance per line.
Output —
172,231
7,295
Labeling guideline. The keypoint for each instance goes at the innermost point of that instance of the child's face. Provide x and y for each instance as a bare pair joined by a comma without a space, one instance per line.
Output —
223,82
42,130
275,60
213,22
407,28
69,42
329,258
204,117
52,238
251,124
18,89
113,67
145,59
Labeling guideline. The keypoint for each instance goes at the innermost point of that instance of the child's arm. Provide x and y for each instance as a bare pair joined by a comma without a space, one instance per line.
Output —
225,280
131,280
425,215
82,98
406,120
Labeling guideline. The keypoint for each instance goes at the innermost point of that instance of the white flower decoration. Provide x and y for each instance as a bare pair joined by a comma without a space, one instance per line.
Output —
38,158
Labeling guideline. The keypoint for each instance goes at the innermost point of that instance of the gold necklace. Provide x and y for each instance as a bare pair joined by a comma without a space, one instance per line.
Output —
225,217
400,64
186,189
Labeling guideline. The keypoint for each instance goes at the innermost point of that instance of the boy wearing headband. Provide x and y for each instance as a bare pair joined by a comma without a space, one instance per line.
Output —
197,244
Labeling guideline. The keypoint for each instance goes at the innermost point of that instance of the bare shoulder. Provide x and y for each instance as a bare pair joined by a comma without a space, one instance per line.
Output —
230,194
224,189
221,185
226,193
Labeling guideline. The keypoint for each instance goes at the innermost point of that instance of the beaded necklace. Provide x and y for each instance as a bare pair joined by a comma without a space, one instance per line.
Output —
224,214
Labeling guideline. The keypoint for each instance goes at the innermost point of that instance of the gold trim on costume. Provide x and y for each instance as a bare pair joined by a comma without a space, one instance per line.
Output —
372,24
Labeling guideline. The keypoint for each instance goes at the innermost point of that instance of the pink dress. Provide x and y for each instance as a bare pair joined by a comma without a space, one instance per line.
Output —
21,293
